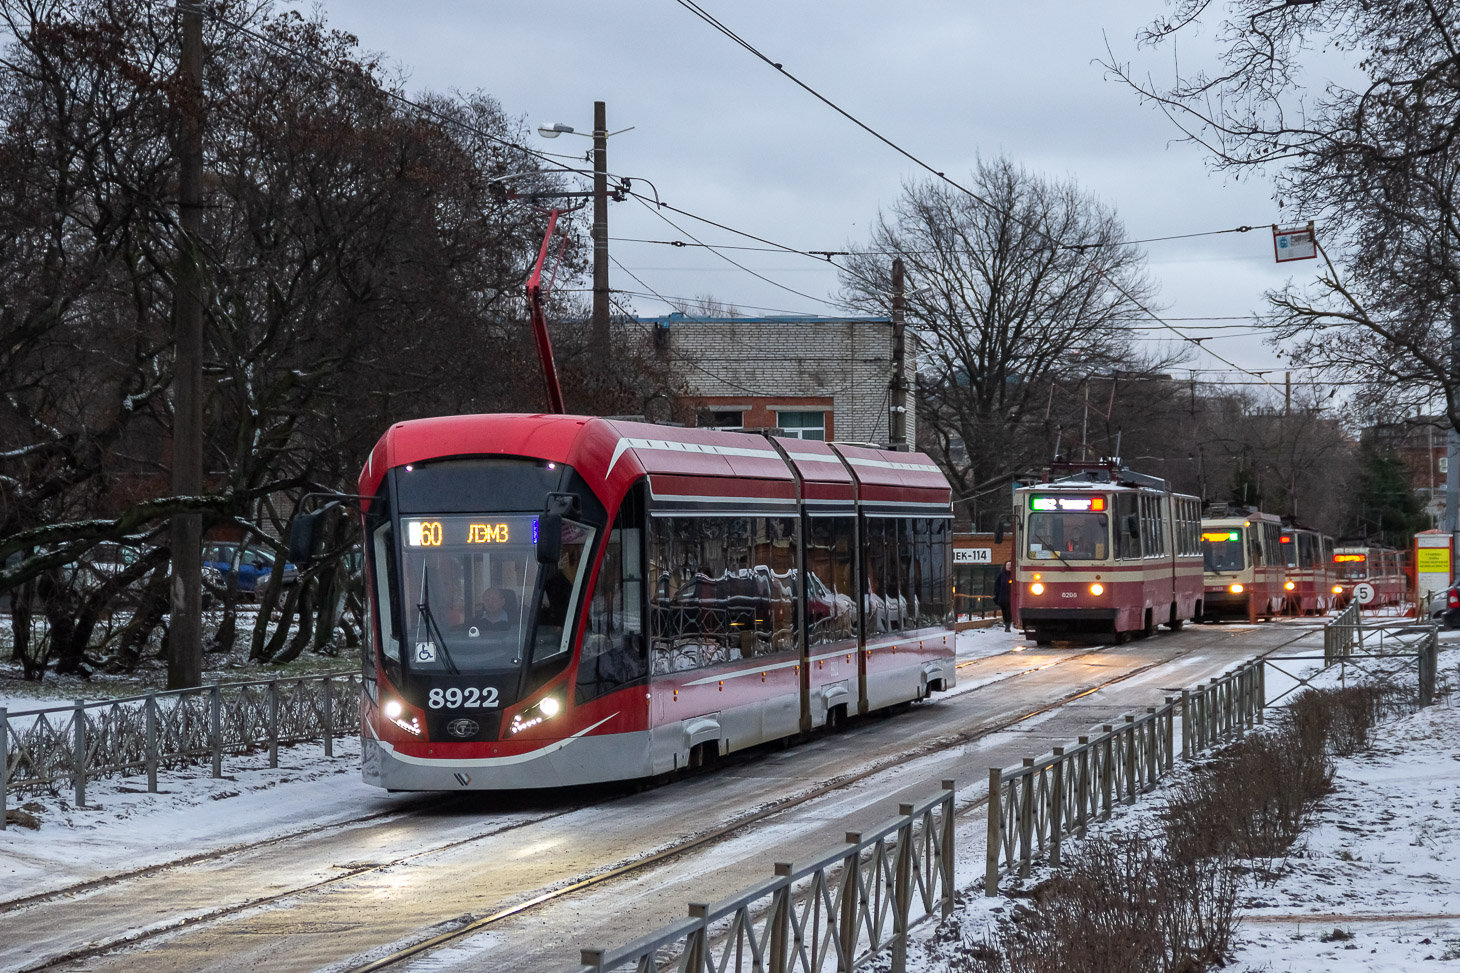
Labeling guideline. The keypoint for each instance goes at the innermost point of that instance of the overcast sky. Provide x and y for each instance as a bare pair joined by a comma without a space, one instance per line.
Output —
723,135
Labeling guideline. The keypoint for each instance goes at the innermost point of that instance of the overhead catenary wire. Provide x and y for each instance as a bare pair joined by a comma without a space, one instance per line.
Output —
710,19
547,159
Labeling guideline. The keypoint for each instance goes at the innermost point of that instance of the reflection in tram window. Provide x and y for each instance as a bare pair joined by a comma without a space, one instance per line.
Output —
614,653
723,589
831,604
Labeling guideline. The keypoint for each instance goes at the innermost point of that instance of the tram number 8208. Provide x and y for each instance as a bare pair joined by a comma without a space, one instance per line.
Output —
471,698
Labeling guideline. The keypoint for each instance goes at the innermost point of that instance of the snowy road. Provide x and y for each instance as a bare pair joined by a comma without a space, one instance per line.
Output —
349,893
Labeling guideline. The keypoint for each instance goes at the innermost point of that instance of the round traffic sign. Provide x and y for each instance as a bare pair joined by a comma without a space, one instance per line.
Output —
1363,592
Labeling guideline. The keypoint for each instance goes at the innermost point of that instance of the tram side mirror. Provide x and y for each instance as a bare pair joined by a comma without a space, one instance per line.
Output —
301,536
1132,526
999,530
550,526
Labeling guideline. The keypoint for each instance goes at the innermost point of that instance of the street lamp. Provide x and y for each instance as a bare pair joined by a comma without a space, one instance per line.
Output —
601,333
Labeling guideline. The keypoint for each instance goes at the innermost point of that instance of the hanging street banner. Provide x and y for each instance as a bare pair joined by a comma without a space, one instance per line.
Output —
1294,244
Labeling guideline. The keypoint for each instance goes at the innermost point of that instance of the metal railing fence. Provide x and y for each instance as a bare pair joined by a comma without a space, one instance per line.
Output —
42,748
1032,808
1342,634
829,915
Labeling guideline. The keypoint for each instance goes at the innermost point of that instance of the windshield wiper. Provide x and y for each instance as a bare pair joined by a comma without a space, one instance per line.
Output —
424,610
1048,546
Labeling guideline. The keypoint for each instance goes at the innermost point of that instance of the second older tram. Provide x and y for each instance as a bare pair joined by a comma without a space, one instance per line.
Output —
1308,557
1243,564
1105,551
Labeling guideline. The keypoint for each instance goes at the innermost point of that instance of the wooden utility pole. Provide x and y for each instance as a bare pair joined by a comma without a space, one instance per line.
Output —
601,334
185,633
897,387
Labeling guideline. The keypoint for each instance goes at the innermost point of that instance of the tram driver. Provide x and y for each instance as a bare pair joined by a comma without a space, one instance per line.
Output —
494,616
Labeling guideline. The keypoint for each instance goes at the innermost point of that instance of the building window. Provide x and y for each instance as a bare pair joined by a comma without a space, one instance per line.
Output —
802,425
731,420
1444,464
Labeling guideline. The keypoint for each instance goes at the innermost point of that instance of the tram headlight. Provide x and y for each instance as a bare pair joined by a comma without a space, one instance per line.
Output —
1338,589
1036,588
1289,585
1097,589
395,711
1236,589
544,709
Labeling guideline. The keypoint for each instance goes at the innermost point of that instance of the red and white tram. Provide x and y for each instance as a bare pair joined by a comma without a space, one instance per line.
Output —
1105,551
561,600
1308,557
1242,560
1382,567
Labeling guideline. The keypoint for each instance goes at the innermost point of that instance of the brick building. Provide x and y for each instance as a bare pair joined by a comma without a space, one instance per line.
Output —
1419,443
813,377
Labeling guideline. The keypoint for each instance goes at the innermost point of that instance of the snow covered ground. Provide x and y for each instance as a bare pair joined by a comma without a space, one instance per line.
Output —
1373,885
1381,863
123,827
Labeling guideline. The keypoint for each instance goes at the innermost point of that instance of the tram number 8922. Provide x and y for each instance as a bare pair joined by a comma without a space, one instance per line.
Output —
471,698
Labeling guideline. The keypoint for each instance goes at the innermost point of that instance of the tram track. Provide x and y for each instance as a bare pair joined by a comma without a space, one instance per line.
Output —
538,898
764,814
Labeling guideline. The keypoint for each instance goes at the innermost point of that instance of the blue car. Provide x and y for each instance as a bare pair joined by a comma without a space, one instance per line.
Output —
254,566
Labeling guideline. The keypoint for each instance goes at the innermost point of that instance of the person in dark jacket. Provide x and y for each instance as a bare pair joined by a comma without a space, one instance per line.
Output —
1003,589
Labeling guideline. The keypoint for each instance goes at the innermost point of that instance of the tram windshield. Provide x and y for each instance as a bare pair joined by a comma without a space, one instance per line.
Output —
1221,551
1069,536
1351,567
476,598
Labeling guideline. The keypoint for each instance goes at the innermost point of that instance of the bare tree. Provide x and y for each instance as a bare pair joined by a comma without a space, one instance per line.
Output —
1013,299
361,267
1375,162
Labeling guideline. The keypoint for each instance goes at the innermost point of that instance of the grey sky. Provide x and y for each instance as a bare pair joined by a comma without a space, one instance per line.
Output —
723,135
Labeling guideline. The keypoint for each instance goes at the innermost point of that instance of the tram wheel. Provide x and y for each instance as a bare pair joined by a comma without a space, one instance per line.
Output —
1175,624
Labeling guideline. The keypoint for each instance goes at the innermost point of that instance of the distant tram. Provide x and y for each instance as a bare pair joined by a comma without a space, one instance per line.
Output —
1308,557
1382,567
1242,562
1104,551
560,600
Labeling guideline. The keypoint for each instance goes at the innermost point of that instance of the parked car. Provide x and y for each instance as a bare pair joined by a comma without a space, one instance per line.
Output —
1444,606
254,565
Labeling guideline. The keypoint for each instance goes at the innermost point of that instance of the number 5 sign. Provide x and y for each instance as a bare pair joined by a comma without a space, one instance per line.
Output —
1363,592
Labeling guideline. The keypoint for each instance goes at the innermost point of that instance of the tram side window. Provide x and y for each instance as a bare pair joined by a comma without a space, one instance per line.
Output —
1191,535
882,602
723,589
614,653
831,595
388,637
935,590
1127,526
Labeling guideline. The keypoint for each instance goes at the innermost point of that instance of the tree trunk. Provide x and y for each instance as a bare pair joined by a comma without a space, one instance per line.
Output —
300,604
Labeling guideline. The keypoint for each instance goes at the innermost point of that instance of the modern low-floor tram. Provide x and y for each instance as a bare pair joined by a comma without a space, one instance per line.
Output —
561,600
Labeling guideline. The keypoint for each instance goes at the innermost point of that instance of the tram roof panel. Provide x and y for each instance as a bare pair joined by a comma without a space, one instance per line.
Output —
884,474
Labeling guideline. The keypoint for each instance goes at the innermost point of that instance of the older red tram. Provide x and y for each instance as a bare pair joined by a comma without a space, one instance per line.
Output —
1308,556
561,600
1103,550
